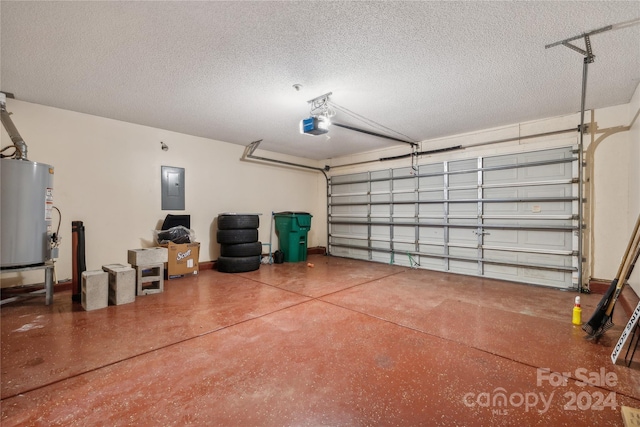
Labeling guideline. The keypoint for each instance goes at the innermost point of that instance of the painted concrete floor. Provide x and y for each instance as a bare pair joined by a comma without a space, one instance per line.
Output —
345,343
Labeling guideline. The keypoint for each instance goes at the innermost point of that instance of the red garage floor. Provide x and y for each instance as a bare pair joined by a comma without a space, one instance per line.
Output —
345,343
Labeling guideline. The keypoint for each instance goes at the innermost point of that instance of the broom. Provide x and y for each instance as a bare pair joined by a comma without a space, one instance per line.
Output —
600,321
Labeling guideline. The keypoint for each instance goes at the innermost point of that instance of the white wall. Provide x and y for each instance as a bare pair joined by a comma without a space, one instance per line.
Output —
107,174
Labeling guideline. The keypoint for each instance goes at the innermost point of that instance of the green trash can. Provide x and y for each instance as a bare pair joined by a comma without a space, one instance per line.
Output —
292,228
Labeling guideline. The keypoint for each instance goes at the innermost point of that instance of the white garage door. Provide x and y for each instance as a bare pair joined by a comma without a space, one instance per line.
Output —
511,217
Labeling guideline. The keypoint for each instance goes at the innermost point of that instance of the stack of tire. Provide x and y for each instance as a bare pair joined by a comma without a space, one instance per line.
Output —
240,250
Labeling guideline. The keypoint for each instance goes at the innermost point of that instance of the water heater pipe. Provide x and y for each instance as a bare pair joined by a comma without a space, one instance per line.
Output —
18,142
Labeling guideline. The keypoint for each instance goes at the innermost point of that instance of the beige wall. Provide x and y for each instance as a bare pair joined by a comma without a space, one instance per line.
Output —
107,174
617,190
634,175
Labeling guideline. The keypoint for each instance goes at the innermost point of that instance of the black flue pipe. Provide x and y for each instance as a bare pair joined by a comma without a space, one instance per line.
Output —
79,260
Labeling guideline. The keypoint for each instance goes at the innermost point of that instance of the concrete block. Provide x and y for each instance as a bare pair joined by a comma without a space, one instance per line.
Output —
95,290
150,279
122,283
147,256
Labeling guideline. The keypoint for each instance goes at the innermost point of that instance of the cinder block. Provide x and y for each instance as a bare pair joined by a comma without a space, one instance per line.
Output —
122,283
148,256
150,279
95,290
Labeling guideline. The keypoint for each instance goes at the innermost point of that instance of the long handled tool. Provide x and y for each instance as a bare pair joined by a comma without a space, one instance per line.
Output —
600,321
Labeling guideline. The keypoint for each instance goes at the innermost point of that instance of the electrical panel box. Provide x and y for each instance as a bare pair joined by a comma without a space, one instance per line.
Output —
172,188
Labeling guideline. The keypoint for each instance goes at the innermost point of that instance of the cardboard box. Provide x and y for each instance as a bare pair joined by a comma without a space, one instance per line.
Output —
183,259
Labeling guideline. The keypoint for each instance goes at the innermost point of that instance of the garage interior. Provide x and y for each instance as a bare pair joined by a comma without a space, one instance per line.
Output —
479,173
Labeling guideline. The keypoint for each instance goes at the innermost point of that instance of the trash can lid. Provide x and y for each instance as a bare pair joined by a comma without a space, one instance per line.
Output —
292,213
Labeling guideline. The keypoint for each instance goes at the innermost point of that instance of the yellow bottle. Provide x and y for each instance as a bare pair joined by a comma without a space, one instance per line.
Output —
577,313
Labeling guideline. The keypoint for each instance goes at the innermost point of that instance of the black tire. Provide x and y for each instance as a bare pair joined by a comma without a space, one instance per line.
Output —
234,237
238,222
238,264
242,249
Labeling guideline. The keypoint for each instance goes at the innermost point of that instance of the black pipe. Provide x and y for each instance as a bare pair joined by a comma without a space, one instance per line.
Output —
79,261
421,153
413,144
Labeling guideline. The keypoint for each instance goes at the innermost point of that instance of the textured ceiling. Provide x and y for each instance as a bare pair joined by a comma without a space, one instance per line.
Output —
225,70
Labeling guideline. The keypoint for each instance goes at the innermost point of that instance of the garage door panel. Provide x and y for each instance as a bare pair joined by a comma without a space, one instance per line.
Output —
504,160
404,210
501,237
381,186
402,249
545,172
404,233
380,210
549,208
463,221
380,198
463,194
545,155
504,272
431,249
462,235
556,279
405,197
381,174
384,246
351,230
359,210
380,231
463,208
463,179
496,255
431,263
431,195
431,209
510,208
431,181
545,240
500,193
462,165
463,267
547,259
500,176
360,187
356,253
349,199
496,203
402,172
431,234
382,257
463,252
